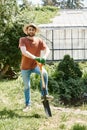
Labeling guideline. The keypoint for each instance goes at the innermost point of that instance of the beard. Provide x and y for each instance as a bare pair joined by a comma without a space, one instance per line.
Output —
31,35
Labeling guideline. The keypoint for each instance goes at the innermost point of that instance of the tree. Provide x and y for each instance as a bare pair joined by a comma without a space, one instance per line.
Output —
12,19
49,2
74,4
26,4
8,11
65,3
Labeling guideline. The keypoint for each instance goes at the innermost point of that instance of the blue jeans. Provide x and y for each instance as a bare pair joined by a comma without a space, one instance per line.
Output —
26,79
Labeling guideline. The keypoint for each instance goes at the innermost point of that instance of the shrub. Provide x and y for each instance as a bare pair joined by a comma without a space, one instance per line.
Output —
79,127
52,85
71,90
69,68
67,81
35,81
85,81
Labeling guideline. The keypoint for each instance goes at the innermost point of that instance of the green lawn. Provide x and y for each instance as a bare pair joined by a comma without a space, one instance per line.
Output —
12,117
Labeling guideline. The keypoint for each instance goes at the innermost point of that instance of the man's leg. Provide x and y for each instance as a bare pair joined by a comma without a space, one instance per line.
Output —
45,76
26,81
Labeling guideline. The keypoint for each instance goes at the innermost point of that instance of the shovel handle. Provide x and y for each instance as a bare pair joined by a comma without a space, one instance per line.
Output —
40,65
42,78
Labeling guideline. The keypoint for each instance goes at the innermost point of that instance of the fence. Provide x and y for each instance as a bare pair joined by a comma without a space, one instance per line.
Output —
66,40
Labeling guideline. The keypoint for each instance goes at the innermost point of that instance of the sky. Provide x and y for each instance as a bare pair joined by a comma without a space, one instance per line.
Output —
40,1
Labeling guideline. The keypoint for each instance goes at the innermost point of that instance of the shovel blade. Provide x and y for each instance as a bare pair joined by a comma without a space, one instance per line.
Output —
47,108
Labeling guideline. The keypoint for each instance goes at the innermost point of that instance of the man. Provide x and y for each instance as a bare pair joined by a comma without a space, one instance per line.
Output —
31,47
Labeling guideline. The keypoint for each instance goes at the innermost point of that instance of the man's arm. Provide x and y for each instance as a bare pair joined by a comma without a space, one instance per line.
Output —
26,53
29,55
47,51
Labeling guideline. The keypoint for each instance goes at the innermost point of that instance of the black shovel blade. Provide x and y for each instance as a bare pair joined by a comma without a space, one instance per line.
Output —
46,104
47,108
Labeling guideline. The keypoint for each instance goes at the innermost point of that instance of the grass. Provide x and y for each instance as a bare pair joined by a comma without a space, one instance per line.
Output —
79,127
12,117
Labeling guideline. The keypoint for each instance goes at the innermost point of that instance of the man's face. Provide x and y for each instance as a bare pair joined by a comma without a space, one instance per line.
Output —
31,31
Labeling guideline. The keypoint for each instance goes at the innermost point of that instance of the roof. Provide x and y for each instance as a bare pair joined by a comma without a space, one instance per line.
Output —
68,18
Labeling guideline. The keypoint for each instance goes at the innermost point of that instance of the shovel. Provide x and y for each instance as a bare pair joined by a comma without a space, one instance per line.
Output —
45,101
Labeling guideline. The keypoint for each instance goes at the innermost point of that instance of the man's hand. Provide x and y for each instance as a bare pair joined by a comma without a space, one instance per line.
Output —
40,60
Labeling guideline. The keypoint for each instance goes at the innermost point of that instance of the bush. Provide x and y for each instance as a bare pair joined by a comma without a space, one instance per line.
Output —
35,81
85,81
69,68
71,90
52,85
79,127
48,8
67,81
